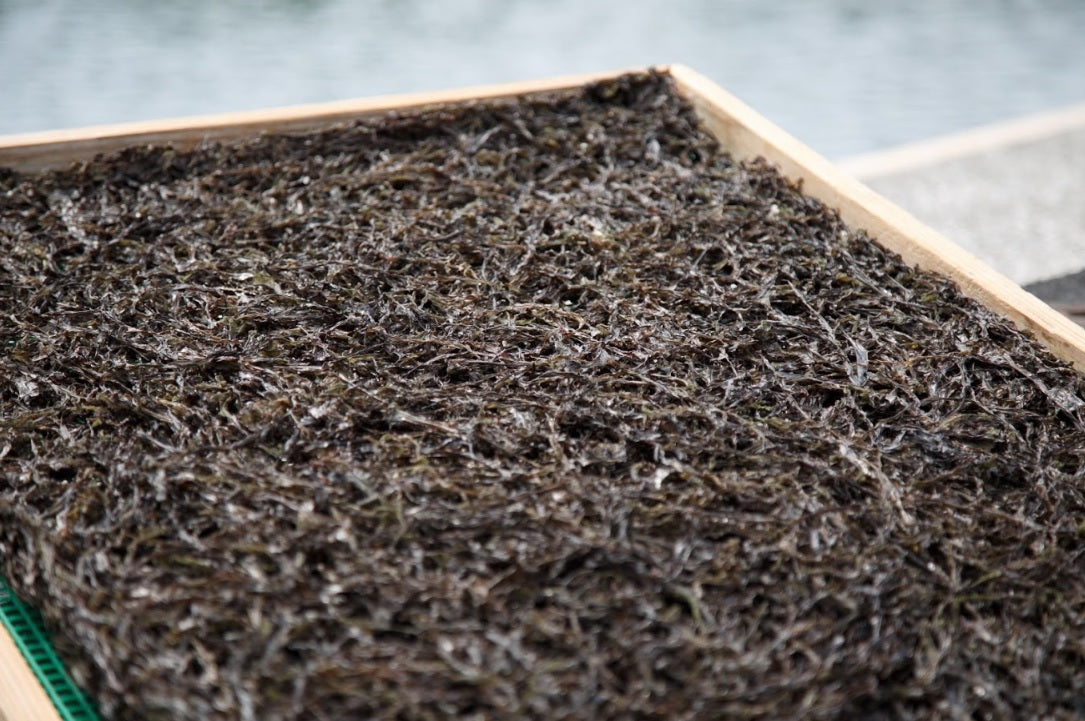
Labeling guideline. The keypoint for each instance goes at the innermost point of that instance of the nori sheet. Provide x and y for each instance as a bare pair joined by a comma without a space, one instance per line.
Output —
533,408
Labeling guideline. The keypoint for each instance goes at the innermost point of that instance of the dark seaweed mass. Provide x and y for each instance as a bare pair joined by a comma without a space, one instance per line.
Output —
539,409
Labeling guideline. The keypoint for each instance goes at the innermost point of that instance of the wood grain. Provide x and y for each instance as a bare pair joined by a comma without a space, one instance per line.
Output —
31,152
22,697
738,127
925,153
747,134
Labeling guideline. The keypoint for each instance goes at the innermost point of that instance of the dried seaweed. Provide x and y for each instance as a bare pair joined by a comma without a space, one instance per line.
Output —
539,408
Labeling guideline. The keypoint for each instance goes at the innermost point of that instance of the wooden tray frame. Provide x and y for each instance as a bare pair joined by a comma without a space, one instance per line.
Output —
22,698
740,130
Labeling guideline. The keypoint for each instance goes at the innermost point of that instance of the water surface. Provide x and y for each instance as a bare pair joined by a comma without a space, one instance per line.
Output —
846,76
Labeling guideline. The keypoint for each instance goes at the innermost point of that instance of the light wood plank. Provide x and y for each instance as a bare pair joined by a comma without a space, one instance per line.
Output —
31,152
739,128
747,134
22,697
925,153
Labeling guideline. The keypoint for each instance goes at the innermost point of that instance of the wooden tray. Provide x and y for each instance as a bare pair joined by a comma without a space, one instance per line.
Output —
739,129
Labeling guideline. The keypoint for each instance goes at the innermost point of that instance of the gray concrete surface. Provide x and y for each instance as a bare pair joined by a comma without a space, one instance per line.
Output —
1066,292
1012,195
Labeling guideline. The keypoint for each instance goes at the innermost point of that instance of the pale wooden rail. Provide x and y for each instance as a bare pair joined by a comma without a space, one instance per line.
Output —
746,134
22,697
29,152
966,143
739,129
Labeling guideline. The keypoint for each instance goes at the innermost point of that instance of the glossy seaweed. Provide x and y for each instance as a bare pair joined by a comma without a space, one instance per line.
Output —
538,408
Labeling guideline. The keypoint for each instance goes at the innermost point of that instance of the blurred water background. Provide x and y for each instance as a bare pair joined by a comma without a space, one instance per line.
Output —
845,76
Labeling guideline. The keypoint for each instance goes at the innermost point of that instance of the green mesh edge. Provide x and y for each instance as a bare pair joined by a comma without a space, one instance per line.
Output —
25,626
